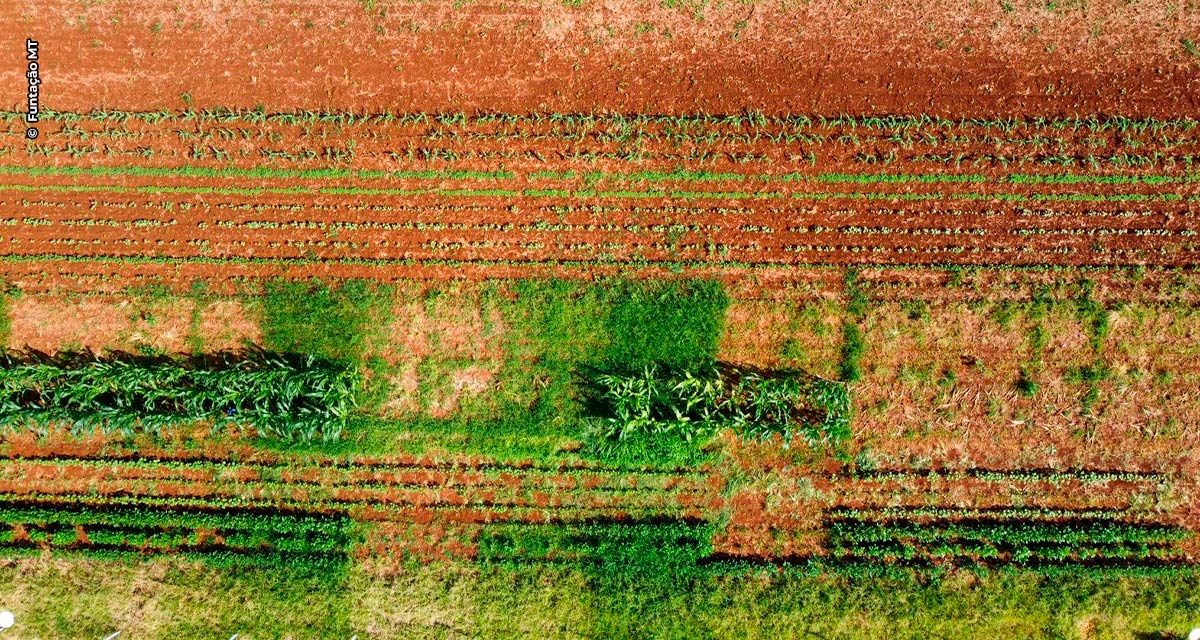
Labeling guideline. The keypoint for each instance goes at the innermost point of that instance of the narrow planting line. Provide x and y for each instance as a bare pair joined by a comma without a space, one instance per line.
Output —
682,195
254,172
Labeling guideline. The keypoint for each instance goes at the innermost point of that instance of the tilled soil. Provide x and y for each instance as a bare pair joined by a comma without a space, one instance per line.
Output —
230,196
828,56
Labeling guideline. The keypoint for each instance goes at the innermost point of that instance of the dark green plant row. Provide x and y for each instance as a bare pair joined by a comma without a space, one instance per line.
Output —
254,537
1021,554
327,526
667,549
320,563
676,550
647,478
926,569
845,533
284,396
334,508
999,541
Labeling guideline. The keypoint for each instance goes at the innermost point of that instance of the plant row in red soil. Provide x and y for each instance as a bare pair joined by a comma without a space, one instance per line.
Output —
421,198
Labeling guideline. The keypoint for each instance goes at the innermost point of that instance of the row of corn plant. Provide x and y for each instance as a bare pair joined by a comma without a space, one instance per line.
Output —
284,396
694,403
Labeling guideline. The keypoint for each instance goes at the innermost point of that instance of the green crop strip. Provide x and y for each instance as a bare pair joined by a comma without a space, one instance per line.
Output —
254,172
710,176
281,396
694,403
116,531
258,191
645,176
849,533
1111,180
683,195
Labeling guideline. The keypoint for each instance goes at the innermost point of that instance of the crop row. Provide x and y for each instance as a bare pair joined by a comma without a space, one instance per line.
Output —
591,177
279,395
303,235
580,194
230,534
104,136
504,497
316,477
251,269
746,120
429,161
103,453
495,259
440,216
1002,531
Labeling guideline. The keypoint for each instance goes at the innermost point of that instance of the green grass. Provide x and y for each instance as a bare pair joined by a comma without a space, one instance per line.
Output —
5,316
312,318
175,599
85,598
553,329
853,345
674,324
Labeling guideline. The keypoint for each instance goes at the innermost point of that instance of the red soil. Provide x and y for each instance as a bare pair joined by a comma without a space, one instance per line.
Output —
828,56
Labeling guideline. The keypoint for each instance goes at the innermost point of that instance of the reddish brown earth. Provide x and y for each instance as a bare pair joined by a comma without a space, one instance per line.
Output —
105,203
828,56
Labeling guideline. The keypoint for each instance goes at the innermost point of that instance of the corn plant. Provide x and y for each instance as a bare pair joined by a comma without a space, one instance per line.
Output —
690,404
290,397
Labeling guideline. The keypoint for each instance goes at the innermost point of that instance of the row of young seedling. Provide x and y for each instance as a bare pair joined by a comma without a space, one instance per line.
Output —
746,119
588,194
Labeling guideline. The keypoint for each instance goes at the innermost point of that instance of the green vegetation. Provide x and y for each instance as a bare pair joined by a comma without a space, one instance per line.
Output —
5,317
312,318
224,538
676,325
253,172
608,553
281,396
555,329
853,346
986,540
660,403
177,598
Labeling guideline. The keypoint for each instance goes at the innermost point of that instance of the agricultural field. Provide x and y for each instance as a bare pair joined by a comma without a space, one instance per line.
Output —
563,319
